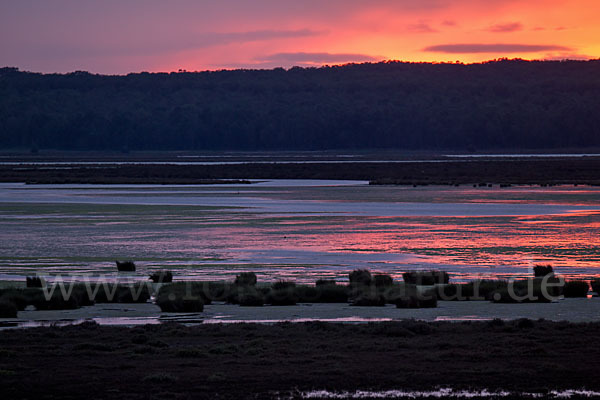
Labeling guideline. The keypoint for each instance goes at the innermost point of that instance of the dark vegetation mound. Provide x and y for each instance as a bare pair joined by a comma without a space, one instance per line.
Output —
8,309
542,270
360,277
426,277
482,289
417,302
178,303
68,296
369,300
246,279
34,282
576,289
323,282
383,280
535,290
125,266
595,283
322,293
282,293
162,277
250,297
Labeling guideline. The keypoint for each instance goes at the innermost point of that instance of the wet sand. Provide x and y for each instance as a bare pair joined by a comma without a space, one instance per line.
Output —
572,310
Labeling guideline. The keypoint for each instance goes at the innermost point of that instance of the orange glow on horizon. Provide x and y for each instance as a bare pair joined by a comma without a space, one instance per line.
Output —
568,30
153,35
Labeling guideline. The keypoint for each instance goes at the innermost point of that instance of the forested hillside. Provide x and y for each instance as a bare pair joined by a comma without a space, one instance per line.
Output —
500,104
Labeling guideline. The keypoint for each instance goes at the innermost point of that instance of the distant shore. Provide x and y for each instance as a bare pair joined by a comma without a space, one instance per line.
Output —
290,360
469,171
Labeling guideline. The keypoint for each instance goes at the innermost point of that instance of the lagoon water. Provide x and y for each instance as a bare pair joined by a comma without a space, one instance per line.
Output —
297,229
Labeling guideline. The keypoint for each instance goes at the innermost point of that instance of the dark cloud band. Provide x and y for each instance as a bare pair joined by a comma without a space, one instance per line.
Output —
466,48
317,58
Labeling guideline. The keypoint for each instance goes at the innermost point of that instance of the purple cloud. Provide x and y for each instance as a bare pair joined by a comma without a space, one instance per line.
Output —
503,28
316,58
421,27
568,56
463,48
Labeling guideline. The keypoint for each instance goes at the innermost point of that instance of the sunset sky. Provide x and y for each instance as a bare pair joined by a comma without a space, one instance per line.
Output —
121,36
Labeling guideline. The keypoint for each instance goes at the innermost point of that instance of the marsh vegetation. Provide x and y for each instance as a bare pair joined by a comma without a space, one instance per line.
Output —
271,360
421,289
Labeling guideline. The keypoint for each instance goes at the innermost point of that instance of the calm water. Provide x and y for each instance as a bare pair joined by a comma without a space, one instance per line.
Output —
300,230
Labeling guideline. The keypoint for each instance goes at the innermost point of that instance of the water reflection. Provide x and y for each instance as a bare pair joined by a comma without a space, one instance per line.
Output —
299,230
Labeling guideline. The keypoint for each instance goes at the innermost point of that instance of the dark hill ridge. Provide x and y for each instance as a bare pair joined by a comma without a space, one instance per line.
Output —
505,104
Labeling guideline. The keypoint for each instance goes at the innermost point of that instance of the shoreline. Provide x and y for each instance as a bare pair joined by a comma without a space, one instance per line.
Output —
480,172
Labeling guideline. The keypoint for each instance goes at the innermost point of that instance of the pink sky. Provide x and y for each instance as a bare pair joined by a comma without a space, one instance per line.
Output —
121,36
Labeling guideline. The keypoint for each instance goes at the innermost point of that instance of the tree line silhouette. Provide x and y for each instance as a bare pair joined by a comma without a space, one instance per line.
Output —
501,104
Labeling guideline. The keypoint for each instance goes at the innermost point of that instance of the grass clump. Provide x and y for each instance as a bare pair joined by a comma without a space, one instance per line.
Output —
329,292
125,266
207,291
529,291
383,280
120,293
178,303
482,289
576,289
411,296
595,283
8,309
369,300
283,285
282,293
426,278
246,279
56,301
540,271
34,282
324,282
360,277
19,297
162,277
250,297
417,301
216,291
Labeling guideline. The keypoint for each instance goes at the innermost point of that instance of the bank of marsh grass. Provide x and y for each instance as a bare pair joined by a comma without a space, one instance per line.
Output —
69,296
